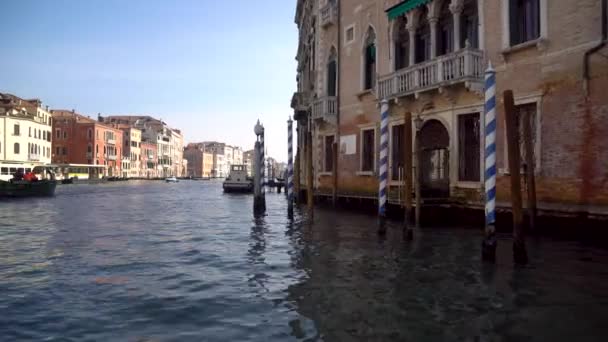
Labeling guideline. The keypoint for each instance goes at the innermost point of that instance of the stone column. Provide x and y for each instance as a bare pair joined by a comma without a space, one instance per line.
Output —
412,31
433,23
456,10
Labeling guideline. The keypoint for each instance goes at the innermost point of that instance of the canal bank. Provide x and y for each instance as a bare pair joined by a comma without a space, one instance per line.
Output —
558,220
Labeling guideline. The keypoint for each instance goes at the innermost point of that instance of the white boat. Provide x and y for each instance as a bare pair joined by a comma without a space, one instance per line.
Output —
237,180
171,179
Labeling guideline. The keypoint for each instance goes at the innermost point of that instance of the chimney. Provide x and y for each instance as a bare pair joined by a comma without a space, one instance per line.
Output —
47,108
73,111
99,117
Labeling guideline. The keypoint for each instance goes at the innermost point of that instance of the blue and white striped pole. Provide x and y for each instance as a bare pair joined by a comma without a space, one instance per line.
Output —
290,167
489,245
382,191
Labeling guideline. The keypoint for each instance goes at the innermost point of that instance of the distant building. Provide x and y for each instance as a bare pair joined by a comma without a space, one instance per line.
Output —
248,161
25,132
169,141
81,140
149,159
200,163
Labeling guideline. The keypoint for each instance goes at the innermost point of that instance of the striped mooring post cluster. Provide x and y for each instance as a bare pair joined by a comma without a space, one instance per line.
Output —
382,191
489,243
290,168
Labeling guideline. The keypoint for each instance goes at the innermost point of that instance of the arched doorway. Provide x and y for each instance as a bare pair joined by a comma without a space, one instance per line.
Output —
435,160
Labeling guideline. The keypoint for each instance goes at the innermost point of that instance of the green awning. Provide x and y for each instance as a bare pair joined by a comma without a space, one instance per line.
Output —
404,7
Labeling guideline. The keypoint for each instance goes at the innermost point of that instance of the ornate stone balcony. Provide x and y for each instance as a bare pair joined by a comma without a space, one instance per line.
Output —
463,66
325,109
329,14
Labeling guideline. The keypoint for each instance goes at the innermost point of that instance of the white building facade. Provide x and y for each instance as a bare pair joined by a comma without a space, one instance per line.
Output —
25,133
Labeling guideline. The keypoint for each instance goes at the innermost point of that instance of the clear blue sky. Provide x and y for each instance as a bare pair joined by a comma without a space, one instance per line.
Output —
209,67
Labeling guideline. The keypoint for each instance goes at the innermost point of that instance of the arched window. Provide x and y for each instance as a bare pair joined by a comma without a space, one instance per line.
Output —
402,43
470,24
445,30
423,37
332,73
369,59
16,148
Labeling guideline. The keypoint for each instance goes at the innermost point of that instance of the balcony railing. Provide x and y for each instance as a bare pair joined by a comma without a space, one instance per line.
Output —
328,14
111,141
89,155
33,157
465,65
111,157
325,109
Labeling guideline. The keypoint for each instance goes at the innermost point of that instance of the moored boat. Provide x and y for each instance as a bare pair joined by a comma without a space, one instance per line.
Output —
237,180
171,179
24,188
27,189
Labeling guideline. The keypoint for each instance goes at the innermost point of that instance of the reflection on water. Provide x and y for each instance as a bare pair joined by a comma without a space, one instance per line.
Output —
146,261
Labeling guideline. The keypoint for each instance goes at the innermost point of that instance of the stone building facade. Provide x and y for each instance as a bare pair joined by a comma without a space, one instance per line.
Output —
25,132
427,58
78,139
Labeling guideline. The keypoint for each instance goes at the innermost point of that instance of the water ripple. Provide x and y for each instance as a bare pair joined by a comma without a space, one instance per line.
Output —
149,261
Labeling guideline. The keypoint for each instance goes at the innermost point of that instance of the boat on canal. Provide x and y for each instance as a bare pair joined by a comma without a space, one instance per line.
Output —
238,181
171,179
43,187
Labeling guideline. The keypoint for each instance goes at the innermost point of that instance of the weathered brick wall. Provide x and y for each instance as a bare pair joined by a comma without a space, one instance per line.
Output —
573,131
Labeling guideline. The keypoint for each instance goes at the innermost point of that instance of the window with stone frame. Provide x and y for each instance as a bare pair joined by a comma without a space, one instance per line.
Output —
369,60
423,37
332,74
397,150
469,25
16,130
402,43
368,146
16,148
329,153
524,20
469,148
445,30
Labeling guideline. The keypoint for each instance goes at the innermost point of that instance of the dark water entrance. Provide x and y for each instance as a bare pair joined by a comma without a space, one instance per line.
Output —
435,160
150,261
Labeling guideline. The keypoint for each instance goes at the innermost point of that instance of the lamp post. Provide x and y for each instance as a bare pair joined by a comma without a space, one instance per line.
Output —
259,202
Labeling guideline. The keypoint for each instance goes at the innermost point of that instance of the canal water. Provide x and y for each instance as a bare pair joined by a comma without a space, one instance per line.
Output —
150,261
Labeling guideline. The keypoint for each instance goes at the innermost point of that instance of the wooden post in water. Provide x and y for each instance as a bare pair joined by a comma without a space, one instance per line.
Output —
289,178
520,255
408,232
418,168
309,175
334,151
530,169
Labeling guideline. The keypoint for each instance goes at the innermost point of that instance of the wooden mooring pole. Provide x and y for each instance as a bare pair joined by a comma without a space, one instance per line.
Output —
520,255
334,195
309,175
530,169
408,232
417,174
